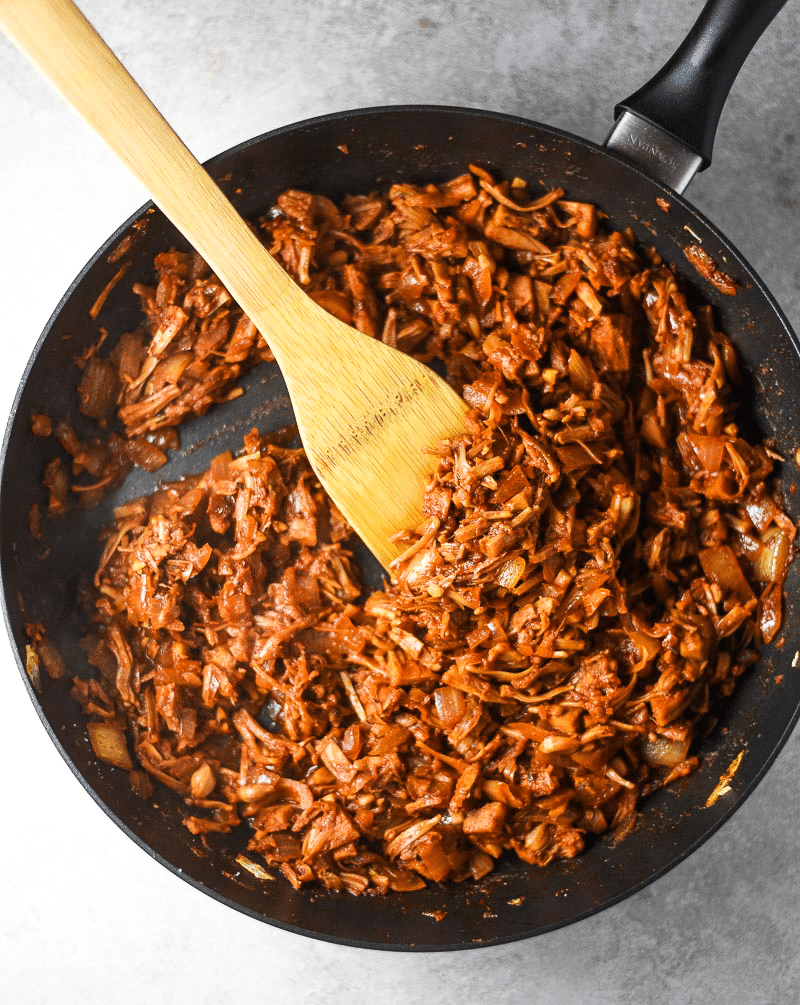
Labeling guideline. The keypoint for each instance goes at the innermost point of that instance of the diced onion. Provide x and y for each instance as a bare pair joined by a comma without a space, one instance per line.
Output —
510,572
581,374
710,450
769,612
772,559
665,753
648,647
450,705
202,781
169,370
721,566
32,667
761,511
108,743
219,466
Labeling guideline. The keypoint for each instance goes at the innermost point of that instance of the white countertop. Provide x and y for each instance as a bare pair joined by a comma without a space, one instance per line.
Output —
88,917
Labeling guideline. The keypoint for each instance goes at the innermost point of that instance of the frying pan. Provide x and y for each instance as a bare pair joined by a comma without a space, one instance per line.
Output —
665,133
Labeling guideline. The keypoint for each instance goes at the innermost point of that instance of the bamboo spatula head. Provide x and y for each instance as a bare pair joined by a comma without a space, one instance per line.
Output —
366,413
369,417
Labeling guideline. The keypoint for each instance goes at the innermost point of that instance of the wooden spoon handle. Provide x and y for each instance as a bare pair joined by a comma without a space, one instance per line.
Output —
70,53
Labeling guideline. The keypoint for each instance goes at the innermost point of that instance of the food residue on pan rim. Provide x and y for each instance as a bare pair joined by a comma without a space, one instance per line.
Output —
723,786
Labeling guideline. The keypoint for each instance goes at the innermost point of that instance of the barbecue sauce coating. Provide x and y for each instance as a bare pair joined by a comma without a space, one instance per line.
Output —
600,560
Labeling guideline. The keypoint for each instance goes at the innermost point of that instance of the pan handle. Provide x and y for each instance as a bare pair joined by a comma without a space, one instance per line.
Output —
667,127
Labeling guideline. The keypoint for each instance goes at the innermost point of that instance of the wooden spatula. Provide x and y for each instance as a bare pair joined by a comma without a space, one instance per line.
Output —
365,411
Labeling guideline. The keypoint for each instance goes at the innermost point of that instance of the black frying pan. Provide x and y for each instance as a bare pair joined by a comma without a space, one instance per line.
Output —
41,578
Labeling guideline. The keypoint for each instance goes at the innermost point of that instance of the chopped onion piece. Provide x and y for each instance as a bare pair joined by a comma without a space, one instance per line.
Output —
202,781
581,372
169,370
773,558
722,567
450,705
219,465
108,743
769,612
510,572
648,646
761,511
665,753
702,453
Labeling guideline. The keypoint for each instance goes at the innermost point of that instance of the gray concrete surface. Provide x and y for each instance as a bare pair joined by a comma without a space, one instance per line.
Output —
87,916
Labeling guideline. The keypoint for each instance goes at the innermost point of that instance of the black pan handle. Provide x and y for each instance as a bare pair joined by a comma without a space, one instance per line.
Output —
679,108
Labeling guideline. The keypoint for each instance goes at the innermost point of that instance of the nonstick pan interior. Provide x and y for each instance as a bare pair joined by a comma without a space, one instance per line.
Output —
41,579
